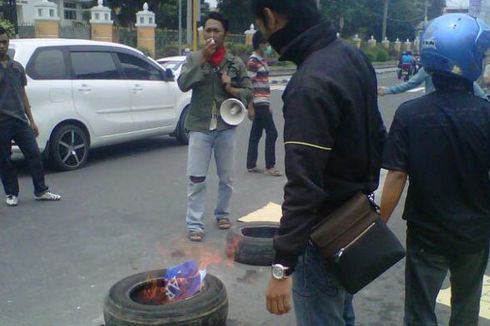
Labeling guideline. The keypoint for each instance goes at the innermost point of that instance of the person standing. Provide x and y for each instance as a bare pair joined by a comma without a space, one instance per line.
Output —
328,105
17,124
213,75
259,111
441,141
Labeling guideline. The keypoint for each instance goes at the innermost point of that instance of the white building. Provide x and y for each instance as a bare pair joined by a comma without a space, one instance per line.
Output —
69,10
457,6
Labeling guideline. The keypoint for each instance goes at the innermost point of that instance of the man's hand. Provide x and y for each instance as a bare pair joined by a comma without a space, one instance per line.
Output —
35,129
251,112
278,295
225,79
381,91
209,49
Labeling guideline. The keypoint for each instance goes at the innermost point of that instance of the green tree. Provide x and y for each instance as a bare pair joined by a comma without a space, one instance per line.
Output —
8,26
238,14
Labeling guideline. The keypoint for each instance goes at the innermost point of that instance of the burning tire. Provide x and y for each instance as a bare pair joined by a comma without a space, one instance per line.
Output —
122,307
251,243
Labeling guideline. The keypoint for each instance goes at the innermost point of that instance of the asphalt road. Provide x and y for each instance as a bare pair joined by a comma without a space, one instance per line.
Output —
124,213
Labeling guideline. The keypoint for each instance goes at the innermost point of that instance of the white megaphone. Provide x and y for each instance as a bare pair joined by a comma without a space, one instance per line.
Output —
232,111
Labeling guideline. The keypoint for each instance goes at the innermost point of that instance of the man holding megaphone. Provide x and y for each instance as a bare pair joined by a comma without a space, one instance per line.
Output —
214,76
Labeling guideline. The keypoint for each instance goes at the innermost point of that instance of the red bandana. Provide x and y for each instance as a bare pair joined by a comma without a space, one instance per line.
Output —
217,56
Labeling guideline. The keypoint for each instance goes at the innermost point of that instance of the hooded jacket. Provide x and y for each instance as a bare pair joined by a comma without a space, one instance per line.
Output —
326,108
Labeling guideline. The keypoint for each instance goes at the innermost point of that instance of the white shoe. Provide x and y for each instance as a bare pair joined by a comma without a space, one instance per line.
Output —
12,200
48,196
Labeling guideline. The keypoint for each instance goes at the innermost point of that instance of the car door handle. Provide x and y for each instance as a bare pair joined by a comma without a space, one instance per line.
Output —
137,88
84,88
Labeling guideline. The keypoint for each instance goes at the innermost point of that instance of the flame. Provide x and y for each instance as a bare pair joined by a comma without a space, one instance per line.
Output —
154,293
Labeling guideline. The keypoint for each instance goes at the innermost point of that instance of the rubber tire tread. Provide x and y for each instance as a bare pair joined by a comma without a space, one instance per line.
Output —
209,307
250,250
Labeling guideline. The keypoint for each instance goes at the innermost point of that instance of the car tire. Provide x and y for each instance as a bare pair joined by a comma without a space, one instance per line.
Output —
181,134
68,148
252,243
208,307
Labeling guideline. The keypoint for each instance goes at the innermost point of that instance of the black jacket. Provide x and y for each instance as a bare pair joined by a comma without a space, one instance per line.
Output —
325,134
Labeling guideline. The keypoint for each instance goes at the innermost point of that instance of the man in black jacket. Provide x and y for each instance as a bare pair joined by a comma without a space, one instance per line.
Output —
331,153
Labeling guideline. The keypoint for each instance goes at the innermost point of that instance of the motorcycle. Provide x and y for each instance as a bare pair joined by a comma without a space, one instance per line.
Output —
405,71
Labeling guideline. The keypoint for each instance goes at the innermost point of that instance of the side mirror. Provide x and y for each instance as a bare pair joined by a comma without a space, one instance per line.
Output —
168,74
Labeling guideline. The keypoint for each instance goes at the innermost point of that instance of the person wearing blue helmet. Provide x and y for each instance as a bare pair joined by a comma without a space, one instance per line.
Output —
441,141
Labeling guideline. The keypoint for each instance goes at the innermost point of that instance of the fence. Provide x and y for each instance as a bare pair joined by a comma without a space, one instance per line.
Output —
76,31
127,36
27,31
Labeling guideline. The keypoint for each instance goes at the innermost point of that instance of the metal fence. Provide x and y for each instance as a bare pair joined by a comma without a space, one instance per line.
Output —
27,31
126,36
76,30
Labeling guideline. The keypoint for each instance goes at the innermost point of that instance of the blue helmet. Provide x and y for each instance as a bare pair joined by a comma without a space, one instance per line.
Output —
455,44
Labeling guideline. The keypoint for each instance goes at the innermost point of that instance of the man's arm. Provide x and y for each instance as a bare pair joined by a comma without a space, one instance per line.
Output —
192,71
27,107
413,82
243,88
393,187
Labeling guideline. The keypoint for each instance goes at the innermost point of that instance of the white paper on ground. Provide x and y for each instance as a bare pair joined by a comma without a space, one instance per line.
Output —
269,213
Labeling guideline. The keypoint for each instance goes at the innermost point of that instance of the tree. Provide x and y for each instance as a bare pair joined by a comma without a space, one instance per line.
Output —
238,14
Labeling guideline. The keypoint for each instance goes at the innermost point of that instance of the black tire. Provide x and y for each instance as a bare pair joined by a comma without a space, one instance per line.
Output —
68,148
181,134
252,243
208,307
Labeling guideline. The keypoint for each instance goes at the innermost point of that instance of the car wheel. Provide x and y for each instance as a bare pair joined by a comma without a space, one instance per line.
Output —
208,307
68,148
252,243
181,134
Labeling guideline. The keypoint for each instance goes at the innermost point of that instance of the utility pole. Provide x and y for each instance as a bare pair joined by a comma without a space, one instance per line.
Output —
195,7
426,6
318,3
385,19
180,27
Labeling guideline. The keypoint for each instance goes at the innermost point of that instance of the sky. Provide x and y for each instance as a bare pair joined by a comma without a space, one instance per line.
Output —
212,3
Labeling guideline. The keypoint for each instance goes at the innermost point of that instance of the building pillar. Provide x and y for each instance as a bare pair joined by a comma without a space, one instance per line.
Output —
145,22
357,41
47,21
101,23
372,42
386,43
249,35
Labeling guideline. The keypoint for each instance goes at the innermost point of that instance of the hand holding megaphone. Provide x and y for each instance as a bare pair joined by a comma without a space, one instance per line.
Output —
232,111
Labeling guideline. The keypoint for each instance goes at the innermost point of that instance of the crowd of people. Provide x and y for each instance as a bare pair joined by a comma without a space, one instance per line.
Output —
440,142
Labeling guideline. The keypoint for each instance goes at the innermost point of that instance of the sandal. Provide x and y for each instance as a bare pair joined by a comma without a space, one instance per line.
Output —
196,236
224,223
273,172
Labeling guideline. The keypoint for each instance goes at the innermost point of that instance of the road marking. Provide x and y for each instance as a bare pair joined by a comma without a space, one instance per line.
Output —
417,90
444,298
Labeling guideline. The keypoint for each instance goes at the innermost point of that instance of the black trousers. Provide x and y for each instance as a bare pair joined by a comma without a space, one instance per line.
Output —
22,134
424,275
263,120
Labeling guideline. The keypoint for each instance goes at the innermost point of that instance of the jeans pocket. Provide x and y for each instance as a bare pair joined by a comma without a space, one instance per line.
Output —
313,278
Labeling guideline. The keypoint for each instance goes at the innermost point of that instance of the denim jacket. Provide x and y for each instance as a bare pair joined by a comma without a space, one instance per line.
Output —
420,77
208,92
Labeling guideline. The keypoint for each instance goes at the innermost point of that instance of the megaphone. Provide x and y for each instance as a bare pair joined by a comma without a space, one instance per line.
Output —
232,111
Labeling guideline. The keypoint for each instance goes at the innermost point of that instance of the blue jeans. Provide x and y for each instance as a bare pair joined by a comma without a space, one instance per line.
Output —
319,298
22,134
201,146
425,272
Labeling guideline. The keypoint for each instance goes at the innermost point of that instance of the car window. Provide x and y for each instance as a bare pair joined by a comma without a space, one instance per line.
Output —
93,65
174,65
139,69
48,63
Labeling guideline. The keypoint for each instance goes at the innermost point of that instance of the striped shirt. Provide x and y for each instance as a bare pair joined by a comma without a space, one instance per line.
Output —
258,71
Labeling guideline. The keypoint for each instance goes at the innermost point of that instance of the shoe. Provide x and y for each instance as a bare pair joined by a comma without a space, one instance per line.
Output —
273,172
48,196
196,236
11,200
224,223
255,170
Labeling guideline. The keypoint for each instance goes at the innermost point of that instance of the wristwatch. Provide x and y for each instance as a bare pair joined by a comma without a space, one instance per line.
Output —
279,271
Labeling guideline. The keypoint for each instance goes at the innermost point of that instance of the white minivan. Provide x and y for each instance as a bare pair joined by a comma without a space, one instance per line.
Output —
87,94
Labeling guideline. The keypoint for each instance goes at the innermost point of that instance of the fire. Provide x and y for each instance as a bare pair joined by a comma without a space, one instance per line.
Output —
154,292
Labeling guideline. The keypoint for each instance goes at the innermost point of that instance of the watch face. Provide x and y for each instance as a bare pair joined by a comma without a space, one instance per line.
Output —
277,272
